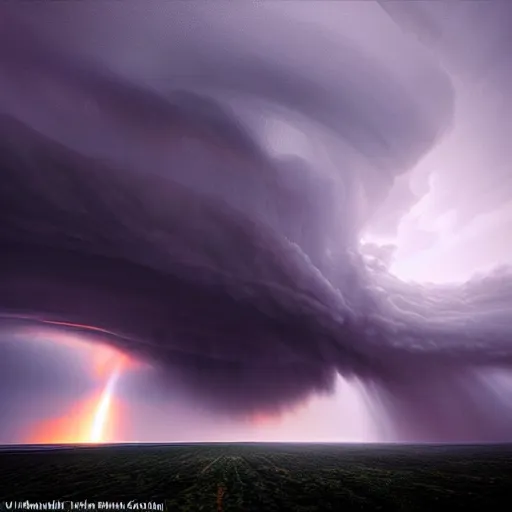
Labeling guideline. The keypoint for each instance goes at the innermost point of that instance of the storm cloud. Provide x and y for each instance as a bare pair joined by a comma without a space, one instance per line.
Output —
139,196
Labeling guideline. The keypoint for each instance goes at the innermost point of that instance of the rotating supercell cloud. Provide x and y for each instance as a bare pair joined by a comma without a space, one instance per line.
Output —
279,221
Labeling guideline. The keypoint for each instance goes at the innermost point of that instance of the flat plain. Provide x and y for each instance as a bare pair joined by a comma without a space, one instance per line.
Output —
269,477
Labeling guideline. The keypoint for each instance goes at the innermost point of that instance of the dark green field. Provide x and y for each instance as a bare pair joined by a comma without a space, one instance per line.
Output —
267,477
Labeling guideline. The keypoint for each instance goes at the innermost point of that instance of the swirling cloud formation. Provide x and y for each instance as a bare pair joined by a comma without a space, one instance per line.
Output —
195,181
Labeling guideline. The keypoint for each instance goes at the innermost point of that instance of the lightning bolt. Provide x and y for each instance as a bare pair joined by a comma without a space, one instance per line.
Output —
103,409
90,420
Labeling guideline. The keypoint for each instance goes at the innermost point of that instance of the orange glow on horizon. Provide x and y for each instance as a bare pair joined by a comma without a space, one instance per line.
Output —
276,418
93,420
260,419
76,425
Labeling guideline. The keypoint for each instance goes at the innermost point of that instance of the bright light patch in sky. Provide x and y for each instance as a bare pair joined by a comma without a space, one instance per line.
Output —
103,411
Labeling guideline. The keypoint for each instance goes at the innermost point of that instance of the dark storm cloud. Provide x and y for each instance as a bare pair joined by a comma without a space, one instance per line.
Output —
151,212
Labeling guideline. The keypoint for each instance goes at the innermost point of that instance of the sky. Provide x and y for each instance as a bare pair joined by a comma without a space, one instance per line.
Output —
275,221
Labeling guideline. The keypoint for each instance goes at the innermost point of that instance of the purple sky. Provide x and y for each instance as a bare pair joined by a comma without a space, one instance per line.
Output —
262,221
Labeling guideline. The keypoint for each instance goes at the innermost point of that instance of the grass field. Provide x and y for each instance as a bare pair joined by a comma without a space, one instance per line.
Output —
266,477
